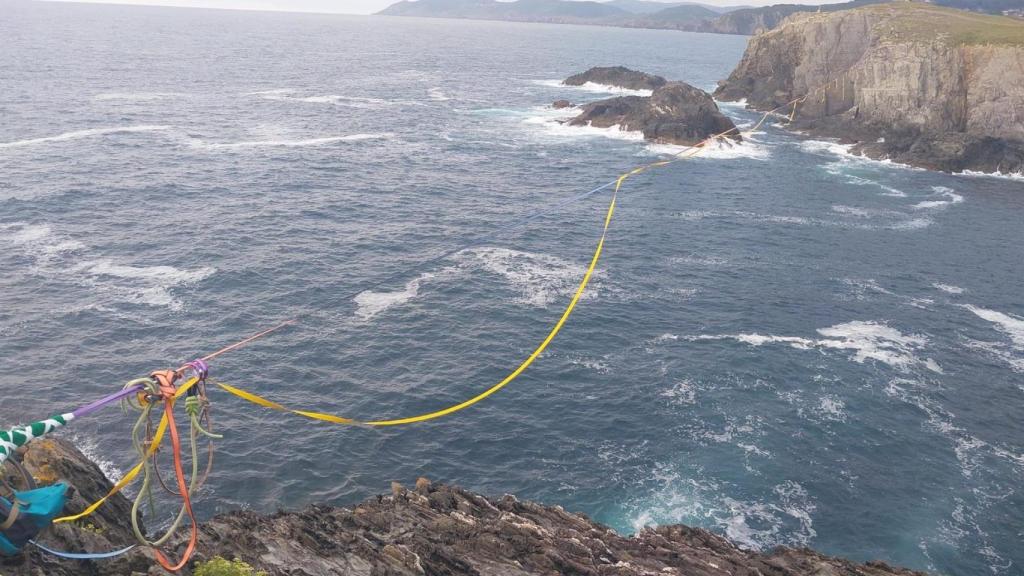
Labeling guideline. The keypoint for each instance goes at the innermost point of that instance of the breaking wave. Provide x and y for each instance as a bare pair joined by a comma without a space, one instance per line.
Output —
595,88
782,518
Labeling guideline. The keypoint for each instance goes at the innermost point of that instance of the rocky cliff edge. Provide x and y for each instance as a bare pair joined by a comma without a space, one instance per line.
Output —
428,529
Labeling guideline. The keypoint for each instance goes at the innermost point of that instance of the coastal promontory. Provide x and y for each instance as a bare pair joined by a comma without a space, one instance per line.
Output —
914,83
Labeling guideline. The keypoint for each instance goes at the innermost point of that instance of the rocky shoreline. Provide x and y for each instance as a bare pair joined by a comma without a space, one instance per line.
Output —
912,83
428,529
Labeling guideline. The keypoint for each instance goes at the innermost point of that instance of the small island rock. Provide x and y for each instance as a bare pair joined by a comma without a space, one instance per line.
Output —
617,76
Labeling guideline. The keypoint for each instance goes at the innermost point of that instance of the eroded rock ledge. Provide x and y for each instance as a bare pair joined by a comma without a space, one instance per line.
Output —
675,112
430,529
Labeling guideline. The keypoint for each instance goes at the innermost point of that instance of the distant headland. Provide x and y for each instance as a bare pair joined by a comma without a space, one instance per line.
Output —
687,16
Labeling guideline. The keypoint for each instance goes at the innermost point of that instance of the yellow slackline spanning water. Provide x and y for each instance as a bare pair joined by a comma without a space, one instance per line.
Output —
688,152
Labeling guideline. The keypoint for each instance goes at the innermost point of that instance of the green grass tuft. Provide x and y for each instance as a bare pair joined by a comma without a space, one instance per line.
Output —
221,567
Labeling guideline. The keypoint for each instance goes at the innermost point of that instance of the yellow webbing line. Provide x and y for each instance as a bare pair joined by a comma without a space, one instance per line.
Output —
158,437
249,396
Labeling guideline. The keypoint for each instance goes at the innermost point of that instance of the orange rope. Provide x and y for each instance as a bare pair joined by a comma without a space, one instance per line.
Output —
166,380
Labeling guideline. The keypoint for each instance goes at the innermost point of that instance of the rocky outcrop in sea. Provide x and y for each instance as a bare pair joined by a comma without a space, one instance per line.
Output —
914,83
674,113
426,529
618,76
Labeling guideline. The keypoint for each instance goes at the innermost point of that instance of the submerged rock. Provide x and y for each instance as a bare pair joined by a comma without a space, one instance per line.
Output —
617,76
559,104
676,113
432,529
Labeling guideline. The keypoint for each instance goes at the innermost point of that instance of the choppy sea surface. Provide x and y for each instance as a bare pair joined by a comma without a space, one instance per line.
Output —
784,343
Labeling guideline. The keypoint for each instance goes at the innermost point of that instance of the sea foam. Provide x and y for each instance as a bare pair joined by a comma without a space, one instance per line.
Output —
80,134
363,102
866,340
596,88
282,143
539,279
56,256
1012,326
951,197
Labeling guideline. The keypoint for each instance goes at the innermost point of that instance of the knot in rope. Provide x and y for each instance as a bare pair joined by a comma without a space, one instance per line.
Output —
192,405
165,382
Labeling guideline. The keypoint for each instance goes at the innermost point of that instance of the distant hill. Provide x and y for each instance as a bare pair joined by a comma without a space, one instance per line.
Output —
522,10
649,14
687,12
650,7
641,6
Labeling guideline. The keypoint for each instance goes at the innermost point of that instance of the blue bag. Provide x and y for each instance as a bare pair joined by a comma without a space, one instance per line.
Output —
36,510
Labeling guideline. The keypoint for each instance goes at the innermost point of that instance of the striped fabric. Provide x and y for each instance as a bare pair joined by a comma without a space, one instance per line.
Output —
13,438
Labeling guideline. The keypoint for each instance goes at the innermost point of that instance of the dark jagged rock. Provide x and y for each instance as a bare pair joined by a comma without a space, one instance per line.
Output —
676,113
560,104
910,82
618,76
432,529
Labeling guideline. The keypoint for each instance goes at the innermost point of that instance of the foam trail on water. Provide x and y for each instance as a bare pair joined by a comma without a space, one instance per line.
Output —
55,256
136,96
79,134
437,95
948,288
1009,325
364,102
867,341
540,279
370,303
289,143
950,196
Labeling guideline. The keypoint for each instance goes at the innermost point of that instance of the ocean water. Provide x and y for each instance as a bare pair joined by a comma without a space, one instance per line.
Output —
784,343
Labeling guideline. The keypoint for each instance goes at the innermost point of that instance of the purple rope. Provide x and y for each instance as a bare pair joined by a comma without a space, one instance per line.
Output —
97,404
200,368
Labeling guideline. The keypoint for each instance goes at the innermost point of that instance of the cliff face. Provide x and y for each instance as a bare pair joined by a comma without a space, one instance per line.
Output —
942,89
428,530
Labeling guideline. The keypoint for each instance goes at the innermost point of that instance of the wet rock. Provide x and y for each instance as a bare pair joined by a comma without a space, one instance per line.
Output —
559,104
